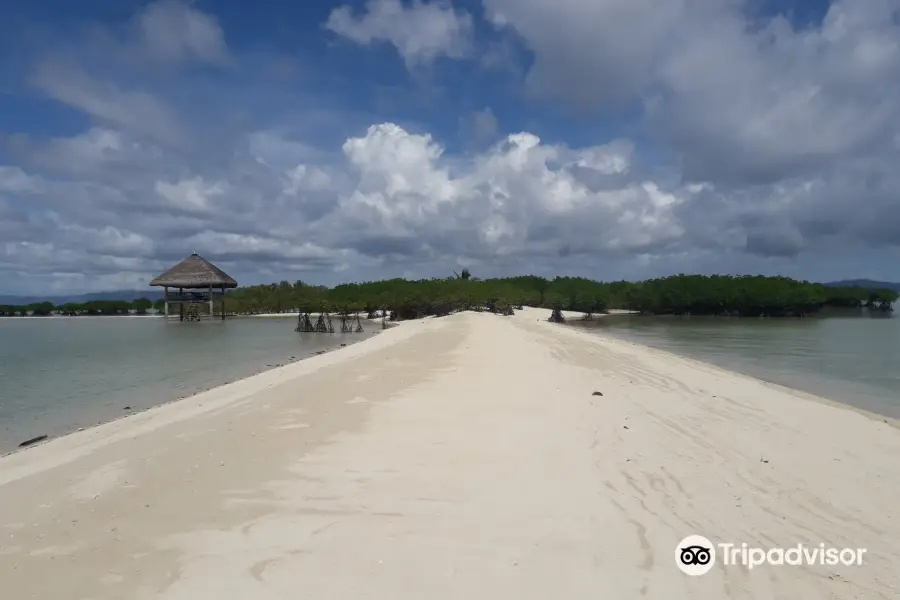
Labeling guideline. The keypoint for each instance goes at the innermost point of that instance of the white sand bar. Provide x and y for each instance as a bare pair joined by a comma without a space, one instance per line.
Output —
457,458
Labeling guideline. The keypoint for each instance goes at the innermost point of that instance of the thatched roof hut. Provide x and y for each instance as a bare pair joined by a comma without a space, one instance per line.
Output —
194,272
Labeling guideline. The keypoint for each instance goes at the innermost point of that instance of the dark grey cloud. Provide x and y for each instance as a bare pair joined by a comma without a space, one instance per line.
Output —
774,242
381,246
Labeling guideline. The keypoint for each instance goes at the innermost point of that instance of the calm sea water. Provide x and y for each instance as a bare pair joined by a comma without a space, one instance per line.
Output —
851,359
59,374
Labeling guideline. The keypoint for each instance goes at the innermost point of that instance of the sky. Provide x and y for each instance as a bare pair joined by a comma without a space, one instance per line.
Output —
345,141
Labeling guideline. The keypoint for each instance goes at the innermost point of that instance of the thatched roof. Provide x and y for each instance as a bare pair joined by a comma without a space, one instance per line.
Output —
194,272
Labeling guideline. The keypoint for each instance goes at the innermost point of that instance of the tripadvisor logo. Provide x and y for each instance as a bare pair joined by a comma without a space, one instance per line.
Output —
696,555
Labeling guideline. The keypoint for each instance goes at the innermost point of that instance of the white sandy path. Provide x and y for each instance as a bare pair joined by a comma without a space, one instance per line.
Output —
463,458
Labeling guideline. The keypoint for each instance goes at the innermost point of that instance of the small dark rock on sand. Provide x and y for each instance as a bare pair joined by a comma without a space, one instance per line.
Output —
597,394
127,408
33,440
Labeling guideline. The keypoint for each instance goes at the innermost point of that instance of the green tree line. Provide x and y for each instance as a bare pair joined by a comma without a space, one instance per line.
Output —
679,294
92,307
404,299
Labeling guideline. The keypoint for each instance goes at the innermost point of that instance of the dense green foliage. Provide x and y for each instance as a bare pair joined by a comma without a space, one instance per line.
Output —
93,307
679,294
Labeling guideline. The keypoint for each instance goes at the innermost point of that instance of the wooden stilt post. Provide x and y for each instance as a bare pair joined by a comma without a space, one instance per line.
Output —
211,309
222,307
181,304
166,300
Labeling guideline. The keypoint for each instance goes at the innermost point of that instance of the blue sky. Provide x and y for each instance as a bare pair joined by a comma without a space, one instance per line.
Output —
342,140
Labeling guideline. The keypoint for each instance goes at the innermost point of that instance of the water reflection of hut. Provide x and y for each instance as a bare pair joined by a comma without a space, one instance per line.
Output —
198,282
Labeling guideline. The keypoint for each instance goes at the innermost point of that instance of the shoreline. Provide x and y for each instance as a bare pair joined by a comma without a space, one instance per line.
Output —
161,316
892,413
472,455
700,363
53,317
191,406
52,433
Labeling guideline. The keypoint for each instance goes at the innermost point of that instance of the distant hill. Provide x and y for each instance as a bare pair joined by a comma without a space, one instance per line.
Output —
865,283
128,295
